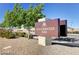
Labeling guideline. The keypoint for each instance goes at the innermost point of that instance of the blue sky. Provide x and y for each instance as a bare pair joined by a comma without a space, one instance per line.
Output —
51,10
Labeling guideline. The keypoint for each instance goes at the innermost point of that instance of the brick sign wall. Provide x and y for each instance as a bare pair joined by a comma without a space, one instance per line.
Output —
49,28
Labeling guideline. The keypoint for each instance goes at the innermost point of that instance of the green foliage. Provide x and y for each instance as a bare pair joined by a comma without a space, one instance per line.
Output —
6,22
21,34
33,14
6,34
19,16
9,34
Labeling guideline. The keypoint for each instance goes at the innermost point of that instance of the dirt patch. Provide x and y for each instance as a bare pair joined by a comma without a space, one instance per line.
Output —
23,46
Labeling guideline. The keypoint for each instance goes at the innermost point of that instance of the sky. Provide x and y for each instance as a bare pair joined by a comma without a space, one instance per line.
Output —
69,12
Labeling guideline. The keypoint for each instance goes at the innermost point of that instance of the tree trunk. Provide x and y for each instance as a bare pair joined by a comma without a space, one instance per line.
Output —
28,34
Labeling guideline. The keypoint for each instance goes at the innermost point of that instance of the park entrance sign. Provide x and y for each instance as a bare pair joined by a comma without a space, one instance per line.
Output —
51,28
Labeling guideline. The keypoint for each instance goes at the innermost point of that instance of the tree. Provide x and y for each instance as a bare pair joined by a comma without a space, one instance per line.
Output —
32,16
7,17
19,16
14,18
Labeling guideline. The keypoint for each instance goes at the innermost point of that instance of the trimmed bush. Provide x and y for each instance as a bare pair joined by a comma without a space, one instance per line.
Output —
9,34
21,34
6,33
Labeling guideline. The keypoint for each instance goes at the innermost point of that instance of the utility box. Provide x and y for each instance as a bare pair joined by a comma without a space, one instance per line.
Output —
44,40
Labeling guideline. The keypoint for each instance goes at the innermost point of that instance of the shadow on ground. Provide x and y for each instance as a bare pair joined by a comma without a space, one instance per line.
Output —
68,40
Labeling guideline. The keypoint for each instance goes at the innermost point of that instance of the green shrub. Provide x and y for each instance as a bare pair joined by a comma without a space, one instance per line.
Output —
6,33
9,34
21,34
2,32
